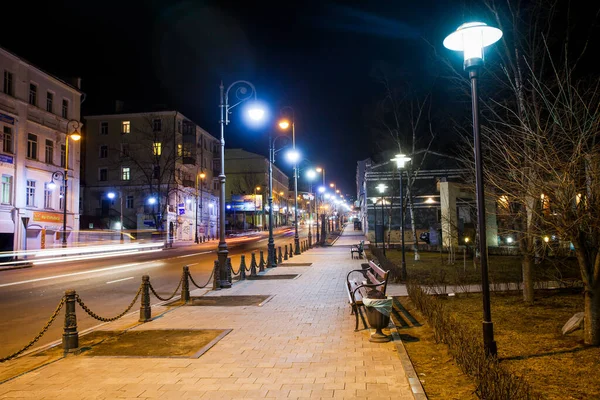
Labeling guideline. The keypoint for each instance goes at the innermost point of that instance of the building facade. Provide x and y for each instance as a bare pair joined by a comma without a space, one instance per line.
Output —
153,171
37,111
247,188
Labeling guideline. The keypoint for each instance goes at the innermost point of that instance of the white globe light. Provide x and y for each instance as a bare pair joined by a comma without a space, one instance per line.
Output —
111,195
293,156
471,38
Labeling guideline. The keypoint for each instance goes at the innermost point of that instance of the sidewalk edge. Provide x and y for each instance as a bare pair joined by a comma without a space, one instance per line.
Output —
409,370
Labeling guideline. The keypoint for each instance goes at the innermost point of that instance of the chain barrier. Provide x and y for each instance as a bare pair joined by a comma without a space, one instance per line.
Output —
99,318
170,297
207,282
39,335
236,273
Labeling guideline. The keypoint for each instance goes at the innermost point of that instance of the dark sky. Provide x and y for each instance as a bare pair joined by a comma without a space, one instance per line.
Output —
314,56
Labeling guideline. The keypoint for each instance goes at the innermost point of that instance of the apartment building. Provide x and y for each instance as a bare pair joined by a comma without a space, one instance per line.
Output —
150,171
37,111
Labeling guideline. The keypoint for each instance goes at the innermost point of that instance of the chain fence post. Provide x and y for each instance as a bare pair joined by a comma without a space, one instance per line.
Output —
145,312
291,251
242,267
185,285
253,265
261,264
216,285
280,257
229,277
70,337
285,255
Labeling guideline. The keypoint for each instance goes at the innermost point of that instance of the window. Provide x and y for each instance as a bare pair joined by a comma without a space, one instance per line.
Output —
126,127
63,155
157,148
157,125
30,194
125,173
49,151
125,149
49,101
61,198
103,174
129,202
103,151
179,150
6,189
32,146
104,128
178,126
8,83
7,140
32,94
47,196
65,108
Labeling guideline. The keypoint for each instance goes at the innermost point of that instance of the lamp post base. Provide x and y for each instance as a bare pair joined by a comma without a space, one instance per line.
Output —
296,246
222,254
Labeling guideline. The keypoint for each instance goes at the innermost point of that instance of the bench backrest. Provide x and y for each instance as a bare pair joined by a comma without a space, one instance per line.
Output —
378,274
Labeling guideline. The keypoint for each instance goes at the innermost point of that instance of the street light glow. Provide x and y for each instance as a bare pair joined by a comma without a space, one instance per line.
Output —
311,174
293,156
284,124
471,38
322,189
381,187
152,200
256,112
52,185
400,160
111,195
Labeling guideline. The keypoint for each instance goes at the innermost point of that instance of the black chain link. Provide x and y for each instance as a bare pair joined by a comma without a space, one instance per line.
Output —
207,282
236,273
169,298
99,318
39,335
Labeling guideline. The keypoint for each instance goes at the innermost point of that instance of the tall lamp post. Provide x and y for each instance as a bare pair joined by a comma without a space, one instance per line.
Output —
271,259
256,189
310,175
319,170
199,183
401,160
75,135
112,195
381,188
285,124
471,38
245,91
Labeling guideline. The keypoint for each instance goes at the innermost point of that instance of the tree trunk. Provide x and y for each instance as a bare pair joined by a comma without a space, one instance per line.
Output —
591,325
413,227
527,267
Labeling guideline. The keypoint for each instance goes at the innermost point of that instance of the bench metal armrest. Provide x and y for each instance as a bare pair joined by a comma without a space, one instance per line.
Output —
354,270
367,285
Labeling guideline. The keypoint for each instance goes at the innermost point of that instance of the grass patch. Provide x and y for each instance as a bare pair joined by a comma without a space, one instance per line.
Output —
531,345
440,376
434,268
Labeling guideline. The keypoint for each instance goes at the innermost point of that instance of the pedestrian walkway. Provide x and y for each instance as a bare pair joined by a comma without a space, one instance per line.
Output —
299,344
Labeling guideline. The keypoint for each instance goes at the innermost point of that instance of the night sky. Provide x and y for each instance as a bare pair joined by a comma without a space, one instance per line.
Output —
315,56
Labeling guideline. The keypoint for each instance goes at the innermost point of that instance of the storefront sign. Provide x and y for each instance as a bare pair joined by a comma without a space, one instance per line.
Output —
7,118
6,158
47,217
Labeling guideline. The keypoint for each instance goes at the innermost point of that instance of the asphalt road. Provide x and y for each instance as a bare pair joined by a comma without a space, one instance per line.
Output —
29,296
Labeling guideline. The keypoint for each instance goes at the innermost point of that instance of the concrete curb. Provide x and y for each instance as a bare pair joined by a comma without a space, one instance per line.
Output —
411,374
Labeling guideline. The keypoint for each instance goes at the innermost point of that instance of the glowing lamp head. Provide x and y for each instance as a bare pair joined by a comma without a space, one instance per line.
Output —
284,124
293,156
400,160
281,193
52,186
319,169
327,195
509,240
322,189
311,174
152,200
471,38
381,187
75,135
467,240
256,112
111,195
546,239
331,184
202,175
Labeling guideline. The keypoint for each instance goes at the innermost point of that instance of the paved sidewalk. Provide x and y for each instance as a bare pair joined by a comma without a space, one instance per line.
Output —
300,344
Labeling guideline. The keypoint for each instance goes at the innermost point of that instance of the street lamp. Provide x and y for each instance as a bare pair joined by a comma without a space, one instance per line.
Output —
256,189
111,196
471,38
310,175
401,160
245,91
381,188
200,183
285,124
75,135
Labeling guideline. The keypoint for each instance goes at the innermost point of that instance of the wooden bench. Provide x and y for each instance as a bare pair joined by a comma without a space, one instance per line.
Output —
362,280
358,249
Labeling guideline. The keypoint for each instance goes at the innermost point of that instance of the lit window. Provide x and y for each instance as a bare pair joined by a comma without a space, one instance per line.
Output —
6,189
125,173
179,150
157,148
126,127
30,194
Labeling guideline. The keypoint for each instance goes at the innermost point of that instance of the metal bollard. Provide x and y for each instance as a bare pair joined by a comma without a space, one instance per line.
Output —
280,257
285,255
229,278
216,284
291,250
243,267
253,265
70,337
185,285
145,312
261,264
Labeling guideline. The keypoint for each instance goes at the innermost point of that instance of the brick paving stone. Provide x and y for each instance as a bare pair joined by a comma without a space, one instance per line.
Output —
299,344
